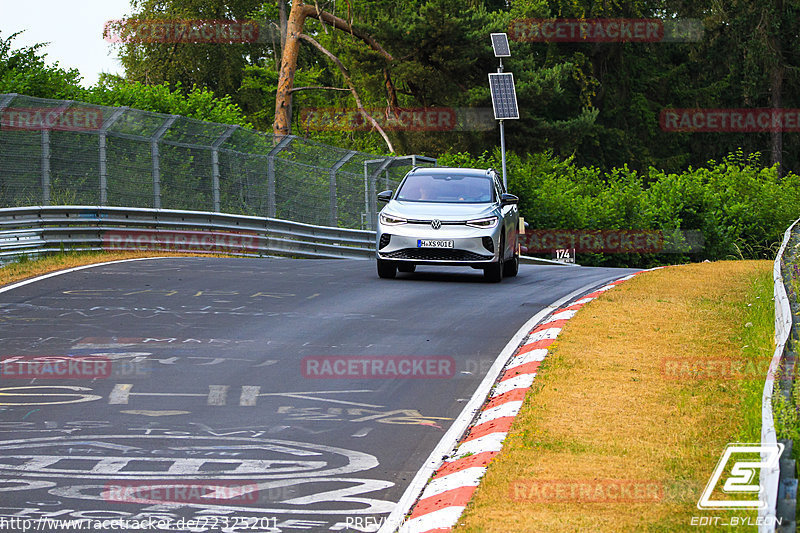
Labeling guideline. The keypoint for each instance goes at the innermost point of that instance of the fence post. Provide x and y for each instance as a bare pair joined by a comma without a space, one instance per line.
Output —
46,156
102,152
271,203
215,165
370,184
155,159
334,217
45,167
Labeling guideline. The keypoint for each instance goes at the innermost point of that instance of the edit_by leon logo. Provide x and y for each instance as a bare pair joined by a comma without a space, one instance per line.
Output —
736,476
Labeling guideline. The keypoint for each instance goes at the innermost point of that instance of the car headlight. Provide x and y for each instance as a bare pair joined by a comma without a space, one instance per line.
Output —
391,220
483,223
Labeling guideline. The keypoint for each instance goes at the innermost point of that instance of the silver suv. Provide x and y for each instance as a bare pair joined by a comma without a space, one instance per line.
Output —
449,216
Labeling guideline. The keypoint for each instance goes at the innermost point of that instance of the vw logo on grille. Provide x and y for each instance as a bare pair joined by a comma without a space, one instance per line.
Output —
436,224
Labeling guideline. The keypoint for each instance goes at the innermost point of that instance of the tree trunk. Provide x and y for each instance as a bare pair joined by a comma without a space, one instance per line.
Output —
776,134
776,86
283,98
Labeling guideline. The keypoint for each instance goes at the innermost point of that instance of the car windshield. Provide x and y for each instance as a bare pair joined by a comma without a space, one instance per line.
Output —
449,188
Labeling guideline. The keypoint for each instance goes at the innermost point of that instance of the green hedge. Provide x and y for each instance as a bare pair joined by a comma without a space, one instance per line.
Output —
741,207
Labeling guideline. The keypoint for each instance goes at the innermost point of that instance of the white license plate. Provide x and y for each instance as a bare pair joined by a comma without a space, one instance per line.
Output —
434,243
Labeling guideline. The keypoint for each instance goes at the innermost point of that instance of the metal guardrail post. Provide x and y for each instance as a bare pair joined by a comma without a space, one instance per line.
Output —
118,112
215,165
334,217
155,159
271,201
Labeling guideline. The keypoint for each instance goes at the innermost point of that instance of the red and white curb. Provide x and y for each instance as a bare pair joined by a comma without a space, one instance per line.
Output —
453,483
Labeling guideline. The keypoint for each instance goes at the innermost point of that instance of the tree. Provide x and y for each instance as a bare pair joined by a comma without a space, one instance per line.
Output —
294,33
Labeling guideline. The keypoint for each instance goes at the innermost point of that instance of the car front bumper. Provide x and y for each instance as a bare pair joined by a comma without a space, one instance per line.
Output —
471,246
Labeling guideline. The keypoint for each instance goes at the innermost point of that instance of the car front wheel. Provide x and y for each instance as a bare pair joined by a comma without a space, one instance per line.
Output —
386,269
511,267
493,273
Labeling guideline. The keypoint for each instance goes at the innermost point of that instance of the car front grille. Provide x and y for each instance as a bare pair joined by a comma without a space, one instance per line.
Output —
436,254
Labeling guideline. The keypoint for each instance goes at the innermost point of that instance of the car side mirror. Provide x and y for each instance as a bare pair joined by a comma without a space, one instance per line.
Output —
385,196
508,199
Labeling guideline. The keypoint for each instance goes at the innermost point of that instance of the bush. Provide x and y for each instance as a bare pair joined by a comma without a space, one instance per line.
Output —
741,207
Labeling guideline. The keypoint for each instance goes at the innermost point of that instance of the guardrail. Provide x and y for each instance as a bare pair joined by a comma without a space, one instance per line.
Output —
41,229
776,499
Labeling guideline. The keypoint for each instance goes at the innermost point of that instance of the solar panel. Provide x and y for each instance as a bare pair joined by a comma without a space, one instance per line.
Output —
500,45
504,97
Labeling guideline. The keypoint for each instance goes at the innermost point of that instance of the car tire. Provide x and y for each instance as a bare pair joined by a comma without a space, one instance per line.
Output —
386,269
510,268
406,267
493,273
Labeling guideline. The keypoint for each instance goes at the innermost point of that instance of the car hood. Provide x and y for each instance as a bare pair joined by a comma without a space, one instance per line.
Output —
441,211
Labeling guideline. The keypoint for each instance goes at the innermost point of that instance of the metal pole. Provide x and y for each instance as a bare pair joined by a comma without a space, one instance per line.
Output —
45,167
503,137
102,138
215,166
332,189
272,207
154,156
503,152
215,179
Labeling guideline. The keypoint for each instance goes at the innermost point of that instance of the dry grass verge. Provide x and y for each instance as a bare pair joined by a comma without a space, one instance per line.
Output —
604,417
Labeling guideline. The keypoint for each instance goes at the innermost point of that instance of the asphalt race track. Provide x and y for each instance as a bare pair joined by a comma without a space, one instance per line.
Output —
217,373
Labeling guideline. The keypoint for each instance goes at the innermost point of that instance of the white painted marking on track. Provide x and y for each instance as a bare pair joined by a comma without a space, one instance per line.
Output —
523,381
563,315
469,477
493,442
549,333
530,357
363,432
217,394
249,395
504,409
441,519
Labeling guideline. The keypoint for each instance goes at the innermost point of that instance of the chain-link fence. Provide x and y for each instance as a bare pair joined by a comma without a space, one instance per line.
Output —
55,152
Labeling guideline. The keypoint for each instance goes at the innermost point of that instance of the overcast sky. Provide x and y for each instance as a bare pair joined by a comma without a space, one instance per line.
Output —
73,29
